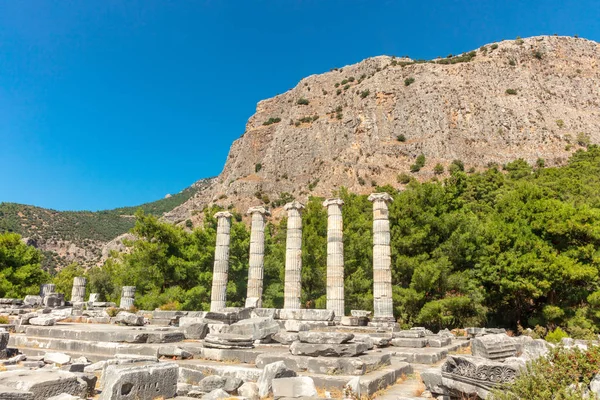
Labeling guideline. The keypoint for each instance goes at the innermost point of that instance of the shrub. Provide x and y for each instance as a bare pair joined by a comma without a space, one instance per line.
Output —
257,167
583,139
512,62
338,92
112,311
511,91
556,335
455,166
272,121
556,376
339,109
189,224
403,178
346,87
344,81
540,163
170,306
4,320
361,181
409,81
560,123
438,169
364,93
519,41
338,115
337,84
494,46
302,101
351,79
401,138
538,54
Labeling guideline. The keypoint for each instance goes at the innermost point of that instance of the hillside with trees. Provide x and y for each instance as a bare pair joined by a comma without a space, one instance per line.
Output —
514,246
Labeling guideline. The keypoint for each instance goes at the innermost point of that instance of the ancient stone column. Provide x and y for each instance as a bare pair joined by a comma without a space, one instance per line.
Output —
382,260
293,256
127,297
335,257
221,265
78,292
47,288
257,256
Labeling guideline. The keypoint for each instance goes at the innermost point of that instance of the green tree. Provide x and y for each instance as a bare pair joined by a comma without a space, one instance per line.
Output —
20,267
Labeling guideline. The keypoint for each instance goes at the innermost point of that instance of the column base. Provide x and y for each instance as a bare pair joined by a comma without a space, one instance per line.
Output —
384,322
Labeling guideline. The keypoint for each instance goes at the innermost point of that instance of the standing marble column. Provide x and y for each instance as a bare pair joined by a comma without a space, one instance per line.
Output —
221,266
257,257
382,260
335,257
127,297
78,292
293,256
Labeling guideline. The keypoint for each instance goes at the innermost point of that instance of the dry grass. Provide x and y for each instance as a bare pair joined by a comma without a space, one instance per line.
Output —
335,393
421,387
463,350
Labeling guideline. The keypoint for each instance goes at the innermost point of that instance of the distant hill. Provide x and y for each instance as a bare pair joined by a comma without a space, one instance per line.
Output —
67,236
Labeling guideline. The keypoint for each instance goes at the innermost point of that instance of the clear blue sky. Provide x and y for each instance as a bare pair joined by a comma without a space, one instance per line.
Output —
113,103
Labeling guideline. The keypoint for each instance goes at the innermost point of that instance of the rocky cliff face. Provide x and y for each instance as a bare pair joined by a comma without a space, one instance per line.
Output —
364,124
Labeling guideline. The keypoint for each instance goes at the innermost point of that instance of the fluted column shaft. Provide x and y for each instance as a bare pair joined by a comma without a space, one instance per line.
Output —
257,257
218,295
335,257
47,288
127,297
383,308
78,292
293,256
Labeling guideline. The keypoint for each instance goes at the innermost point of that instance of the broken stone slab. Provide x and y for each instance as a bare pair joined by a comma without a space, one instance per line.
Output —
325,337
475,375
127,318
32,300
285,337
42,321
422,329
272,371
14,394
64,396
57,358
174,352
307,314
195,331
226,338
432,379
216,394
409,334
361,313
300,386
438,341
232,384
142,381
54,300
328,350
408,342
4,337
530,348
259,328
494,347
265,313
249,390
295,326
211,383
44,383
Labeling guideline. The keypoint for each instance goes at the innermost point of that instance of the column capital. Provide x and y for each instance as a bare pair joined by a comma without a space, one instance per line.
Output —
260,209
223,214
381,196
294,205
331,202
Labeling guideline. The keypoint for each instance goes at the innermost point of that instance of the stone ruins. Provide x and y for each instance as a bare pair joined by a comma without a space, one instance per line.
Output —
57,349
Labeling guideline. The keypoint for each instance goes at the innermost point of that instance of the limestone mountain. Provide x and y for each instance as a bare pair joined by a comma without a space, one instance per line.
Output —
365,124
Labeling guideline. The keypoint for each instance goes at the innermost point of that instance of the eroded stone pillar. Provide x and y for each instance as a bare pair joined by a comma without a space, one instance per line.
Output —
78,292
257,256
47,288
293,256
335,257
218,294
127,297
382,261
